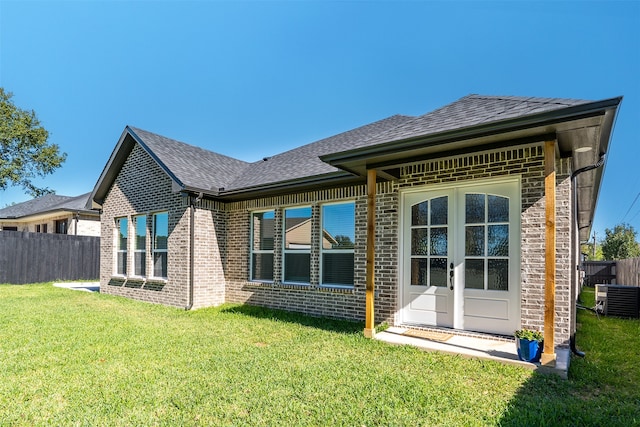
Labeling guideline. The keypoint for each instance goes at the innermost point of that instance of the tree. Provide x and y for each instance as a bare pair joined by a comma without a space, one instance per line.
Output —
343,242
24,151
620,243
587,248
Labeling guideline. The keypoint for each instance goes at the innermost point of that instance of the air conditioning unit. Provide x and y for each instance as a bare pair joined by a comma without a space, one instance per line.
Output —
618,300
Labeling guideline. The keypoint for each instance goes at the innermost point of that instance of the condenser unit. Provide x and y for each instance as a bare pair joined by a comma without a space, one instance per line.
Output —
618,300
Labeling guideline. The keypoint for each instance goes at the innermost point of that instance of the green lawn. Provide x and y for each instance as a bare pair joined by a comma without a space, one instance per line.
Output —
75,358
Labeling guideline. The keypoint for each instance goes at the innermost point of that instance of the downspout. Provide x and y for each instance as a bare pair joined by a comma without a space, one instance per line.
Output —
77,218
192,246
600,162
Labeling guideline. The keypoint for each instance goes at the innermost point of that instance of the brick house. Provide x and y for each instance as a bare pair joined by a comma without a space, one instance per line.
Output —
468,217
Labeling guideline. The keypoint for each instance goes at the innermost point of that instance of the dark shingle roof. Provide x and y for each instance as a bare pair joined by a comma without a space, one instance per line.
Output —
195,167
199,169
469,111
305,161
44,204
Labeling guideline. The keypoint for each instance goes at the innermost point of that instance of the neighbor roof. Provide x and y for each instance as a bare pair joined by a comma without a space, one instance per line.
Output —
46,204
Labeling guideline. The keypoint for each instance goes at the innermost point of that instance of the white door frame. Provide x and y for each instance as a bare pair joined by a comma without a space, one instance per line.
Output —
468,300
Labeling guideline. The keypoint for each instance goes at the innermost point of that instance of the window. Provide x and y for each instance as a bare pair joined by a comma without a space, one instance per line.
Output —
121,245
160,240
140,249
44,228
9,228
262,233
297,245
38,228
61,226
338,239
486,242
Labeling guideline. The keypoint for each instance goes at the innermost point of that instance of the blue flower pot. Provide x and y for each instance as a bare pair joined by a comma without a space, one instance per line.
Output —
529,351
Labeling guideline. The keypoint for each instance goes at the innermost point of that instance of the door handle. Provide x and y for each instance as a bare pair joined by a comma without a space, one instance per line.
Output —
451,276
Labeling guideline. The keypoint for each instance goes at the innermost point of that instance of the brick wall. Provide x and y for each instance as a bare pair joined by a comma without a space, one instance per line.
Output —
143,188
223,234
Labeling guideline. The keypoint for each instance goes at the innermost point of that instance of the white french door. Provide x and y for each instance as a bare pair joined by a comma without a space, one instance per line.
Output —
460,257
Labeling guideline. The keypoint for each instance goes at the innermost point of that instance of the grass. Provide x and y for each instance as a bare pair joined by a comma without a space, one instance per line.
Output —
75,358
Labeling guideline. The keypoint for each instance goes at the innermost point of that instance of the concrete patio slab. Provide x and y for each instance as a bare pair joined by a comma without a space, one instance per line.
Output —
79,286
484,348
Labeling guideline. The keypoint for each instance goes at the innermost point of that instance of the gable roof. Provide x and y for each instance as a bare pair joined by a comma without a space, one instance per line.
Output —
48,203
193,167
190,168
474,122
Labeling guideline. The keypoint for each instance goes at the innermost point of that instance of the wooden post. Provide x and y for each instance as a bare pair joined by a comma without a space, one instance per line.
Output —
548,354
369,325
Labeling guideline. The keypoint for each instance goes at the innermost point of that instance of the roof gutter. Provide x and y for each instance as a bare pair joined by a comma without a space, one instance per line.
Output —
542,119
289,186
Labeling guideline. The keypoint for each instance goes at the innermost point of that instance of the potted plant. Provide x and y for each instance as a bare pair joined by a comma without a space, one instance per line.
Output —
529,344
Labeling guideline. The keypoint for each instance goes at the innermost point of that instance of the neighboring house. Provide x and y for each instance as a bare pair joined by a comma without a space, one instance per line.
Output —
468,217
52,213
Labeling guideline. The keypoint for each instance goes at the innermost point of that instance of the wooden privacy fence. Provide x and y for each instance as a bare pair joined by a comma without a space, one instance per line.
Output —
39,257
622,272
599,272
628,272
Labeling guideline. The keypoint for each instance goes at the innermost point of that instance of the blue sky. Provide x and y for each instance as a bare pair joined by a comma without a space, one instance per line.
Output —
251,79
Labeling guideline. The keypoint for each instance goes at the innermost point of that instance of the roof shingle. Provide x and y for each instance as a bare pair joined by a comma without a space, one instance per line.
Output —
44,204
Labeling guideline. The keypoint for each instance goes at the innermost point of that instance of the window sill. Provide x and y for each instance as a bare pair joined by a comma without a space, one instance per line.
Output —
340,289
138,282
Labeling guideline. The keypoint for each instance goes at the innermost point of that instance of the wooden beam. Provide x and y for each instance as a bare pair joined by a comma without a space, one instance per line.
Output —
548,354
369,325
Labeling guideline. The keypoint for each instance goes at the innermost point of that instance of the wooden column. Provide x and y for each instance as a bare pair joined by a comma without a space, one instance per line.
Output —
369,325
548,353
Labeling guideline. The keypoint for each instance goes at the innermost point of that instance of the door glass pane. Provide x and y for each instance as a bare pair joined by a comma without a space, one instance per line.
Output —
419,272
419,214
474,208
438,271
498,240
474,274
498,276
419,241
498,209
439,241
439,211
474,241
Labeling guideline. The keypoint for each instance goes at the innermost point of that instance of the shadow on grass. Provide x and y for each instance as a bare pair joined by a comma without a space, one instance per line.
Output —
550,401
602,388
334,325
